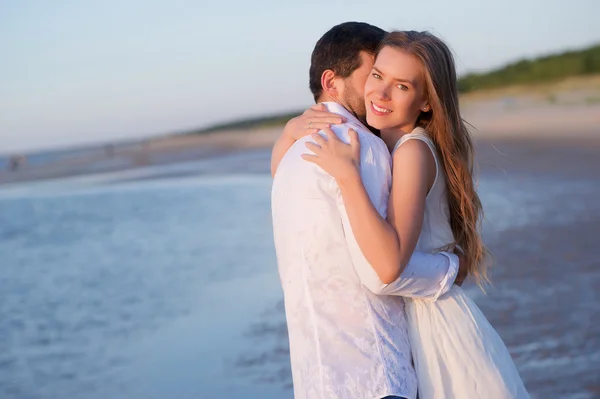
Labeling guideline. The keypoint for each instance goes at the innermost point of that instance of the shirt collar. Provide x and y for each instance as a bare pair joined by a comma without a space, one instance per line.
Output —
340,110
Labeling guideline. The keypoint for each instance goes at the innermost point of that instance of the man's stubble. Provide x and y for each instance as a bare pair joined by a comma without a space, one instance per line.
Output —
355,103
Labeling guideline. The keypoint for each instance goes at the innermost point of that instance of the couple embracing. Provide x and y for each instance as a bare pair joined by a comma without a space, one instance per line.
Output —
375,219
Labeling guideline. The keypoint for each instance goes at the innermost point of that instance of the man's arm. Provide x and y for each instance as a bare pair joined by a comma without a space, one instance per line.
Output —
426,276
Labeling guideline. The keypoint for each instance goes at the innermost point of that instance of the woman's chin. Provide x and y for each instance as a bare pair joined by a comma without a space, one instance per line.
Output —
375,122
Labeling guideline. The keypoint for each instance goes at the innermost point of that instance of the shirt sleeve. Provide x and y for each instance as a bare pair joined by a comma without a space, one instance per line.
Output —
427,276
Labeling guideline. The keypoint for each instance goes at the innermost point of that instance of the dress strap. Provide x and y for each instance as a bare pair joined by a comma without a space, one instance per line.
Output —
421,134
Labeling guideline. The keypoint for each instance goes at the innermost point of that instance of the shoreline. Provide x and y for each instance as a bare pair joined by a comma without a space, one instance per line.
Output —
496,121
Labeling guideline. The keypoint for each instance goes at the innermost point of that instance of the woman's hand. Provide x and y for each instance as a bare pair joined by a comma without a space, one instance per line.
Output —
311,121
335,157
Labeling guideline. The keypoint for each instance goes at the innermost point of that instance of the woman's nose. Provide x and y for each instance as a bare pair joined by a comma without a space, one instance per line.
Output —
383,93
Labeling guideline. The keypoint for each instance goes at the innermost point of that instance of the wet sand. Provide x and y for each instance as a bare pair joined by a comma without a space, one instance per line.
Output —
544,301
545,305
546,292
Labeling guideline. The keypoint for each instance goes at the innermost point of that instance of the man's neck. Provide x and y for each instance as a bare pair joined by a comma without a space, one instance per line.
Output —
326,98
337,108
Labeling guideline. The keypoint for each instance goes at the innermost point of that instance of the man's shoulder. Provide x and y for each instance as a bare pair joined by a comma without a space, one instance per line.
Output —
368,139
364,134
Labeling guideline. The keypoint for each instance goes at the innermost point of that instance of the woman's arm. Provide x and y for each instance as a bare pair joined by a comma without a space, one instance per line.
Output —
375,236
413,174
311,121
282,145
386,249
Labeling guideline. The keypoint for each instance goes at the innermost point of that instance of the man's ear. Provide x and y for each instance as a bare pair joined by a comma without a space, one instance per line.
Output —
330,83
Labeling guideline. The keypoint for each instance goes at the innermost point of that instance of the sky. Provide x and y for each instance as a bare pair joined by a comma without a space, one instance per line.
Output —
81,71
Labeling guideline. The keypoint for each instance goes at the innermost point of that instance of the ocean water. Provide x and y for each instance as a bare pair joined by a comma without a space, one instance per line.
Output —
163,283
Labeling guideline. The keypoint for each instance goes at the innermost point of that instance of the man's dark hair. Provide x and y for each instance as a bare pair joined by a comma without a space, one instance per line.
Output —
339,50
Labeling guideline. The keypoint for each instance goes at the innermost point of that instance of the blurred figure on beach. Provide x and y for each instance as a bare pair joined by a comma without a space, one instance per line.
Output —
16,162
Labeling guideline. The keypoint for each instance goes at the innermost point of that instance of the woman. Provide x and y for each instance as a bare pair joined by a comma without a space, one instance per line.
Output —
411,97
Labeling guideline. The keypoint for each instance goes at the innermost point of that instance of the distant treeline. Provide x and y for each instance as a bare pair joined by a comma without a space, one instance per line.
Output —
539,70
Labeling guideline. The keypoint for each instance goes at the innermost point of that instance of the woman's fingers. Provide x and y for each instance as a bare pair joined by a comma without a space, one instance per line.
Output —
311,158
312,111
331,118
336,119
353,137
322,115
316,125
313,147
323,119
320,140
355,145
330,134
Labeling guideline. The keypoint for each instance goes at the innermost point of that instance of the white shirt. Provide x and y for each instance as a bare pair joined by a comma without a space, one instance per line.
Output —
347,330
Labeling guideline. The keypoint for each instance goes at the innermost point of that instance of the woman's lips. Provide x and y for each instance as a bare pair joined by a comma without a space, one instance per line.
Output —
379,111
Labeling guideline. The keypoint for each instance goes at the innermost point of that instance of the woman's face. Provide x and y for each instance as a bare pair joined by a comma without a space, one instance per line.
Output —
395,91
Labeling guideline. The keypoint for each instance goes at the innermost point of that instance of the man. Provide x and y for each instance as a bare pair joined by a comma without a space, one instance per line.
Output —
347,330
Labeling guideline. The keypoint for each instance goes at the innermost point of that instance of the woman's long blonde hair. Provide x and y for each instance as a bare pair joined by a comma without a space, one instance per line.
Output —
453,141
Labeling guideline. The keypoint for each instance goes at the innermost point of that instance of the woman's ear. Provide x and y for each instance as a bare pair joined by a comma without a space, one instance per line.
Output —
329,83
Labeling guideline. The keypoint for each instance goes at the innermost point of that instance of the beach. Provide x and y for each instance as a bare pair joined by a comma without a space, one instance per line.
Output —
563,113
147,269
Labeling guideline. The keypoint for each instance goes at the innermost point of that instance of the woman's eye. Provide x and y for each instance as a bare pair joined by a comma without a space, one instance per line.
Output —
376,76
402,87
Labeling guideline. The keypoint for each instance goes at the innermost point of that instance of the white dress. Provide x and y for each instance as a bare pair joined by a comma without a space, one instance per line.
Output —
457,353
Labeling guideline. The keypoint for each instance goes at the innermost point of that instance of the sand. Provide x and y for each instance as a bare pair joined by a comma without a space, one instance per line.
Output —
493,120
